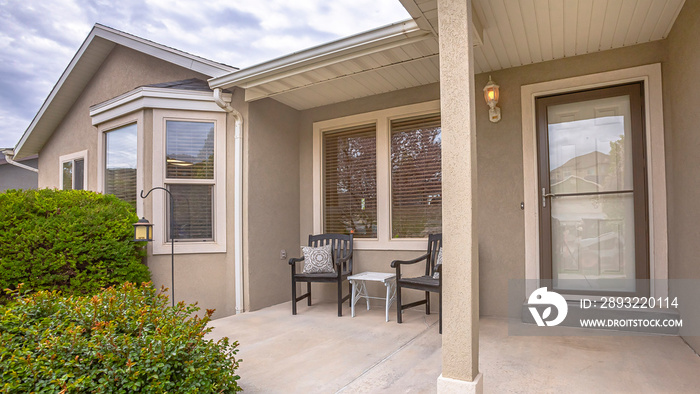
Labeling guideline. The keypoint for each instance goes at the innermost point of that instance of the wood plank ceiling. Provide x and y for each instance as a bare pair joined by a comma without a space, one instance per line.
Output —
515,33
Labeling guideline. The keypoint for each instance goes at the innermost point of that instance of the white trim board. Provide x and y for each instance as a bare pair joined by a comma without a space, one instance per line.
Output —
382,119
656,164
147,97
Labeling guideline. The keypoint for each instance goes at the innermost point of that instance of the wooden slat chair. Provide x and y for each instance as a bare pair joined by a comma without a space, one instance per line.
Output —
426,283
342,262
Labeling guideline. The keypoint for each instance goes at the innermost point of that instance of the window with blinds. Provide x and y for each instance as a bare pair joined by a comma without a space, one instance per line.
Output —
120,163
416,177
350,181
189,173
193,215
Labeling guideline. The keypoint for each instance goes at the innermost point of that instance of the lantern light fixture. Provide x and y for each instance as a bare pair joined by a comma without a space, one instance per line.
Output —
143,231
491,94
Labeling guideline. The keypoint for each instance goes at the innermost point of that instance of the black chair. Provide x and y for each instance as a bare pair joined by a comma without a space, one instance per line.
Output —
426,283
342,262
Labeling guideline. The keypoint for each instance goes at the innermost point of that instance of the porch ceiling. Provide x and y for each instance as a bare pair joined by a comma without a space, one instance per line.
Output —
405,54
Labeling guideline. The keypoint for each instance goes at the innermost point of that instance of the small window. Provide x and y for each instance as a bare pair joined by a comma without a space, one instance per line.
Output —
120,163
189,173
73,175
416,177
350,172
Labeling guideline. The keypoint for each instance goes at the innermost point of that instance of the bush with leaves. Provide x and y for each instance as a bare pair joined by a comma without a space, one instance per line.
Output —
74,241
121,340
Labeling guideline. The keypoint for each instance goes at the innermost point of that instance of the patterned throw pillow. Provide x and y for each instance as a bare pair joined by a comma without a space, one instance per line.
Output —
317,260
438,261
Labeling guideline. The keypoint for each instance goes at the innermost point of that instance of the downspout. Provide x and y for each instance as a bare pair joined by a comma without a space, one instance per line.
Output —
9,154
237,197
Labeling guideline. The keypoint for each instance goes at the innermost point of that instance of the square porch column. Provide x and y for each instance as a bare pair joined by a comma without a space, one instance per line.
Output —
460,286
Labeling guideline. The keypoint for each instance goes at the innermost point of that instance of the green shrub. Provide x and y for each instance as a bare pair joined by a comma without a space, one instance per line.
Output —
74,241
121,340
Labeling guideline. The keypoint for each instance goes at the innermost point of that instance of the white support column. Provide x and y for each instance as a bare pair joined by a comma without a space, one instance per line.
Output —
460,333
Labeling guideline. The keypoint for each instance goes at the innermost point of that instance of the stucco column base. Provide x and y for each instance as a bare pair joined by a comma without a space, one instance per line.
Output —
448,385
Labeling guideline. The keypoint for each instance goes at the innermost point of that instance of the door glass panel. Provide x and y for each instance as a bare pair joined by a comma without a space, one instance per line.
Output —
590,147
593,242
592,207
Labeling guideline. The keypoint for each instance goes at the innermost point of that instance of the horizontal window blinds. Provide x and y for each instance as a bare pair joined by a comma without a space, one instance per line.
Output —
189,150
120,163
350,181
189,157
193,214
416,177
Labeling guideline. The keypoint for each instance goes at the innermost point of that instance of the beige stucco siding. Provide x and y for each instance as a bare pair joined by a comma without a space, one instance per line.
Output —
204,278
123,70
500,158
500,164
681,83
272,201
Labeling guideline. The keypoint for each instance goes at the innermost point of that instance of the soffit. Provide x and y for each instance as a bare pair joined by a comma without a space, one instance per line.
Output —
521,32
510,33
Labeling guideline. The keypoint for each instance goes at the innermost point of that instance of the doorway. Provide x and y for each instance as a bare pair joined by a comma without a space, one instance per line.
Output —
592,187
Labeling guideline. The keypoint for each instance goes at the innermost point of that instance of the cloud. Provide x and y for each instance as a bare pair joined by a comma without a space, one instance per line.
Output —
38,38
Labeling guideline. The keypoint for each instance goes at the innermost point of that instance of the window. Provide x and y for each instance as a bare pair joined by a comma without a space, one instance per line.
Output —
350,181
189,159
120,163
189,168
416,177
378,175
72,170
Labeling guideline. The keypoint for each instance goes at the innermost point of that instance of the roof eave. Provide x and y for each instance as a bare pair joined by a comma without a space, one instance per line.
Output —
371,41
31,143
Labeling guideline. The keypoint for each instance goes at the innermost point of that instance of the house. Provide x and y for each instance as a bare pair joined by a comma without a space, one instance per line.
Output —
616,78
13,176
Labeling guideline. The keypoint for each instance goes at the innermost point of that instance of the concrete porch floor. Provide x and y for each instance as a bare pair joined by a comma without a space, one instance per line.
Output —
318,352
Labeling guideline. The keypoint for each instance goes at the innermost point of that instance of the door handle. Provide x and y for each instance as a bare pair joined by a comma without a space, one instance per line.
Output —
544,197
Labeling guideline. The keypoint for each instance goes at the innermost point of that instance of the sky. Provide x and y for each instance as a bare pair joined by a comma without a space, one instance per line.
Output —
38,38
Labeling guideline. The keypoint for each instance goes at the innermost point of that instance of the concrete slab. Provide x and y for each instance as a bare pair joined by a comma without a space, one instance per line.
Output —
318,352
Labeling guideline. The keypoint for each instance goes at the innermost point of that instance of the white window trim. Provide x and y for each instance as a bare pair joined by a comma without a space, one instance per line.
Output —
218,245
656,165
114,124
382,119
83,154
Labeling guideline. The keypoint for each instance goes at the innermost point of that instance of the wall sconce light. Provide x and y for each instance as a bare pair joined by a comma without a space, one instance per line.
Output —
491,94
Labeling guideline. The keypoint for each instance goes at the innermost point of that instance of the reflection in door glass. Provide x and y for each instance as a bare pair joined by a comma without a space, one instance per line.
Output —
589,146
590,151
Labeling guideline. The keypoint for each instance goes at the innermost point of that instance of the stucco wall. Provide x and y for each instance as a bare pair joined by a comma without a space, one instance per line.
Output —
500,163
272,201
13,177
681,83
499,158
203,278
123,70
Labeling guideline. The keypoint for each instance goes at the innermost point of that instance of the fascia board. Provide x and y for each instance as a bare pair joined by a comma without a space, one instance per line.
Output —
44,121
372,41
19,152
171,55
160,98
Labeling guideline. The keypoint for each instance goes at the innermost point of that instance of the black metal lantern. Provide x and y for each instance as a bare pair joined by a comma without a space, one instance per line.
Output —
143,231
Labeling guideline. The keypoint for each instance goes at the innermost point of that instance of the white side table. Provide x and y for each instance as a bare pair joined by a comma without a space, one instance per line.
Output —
359,288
